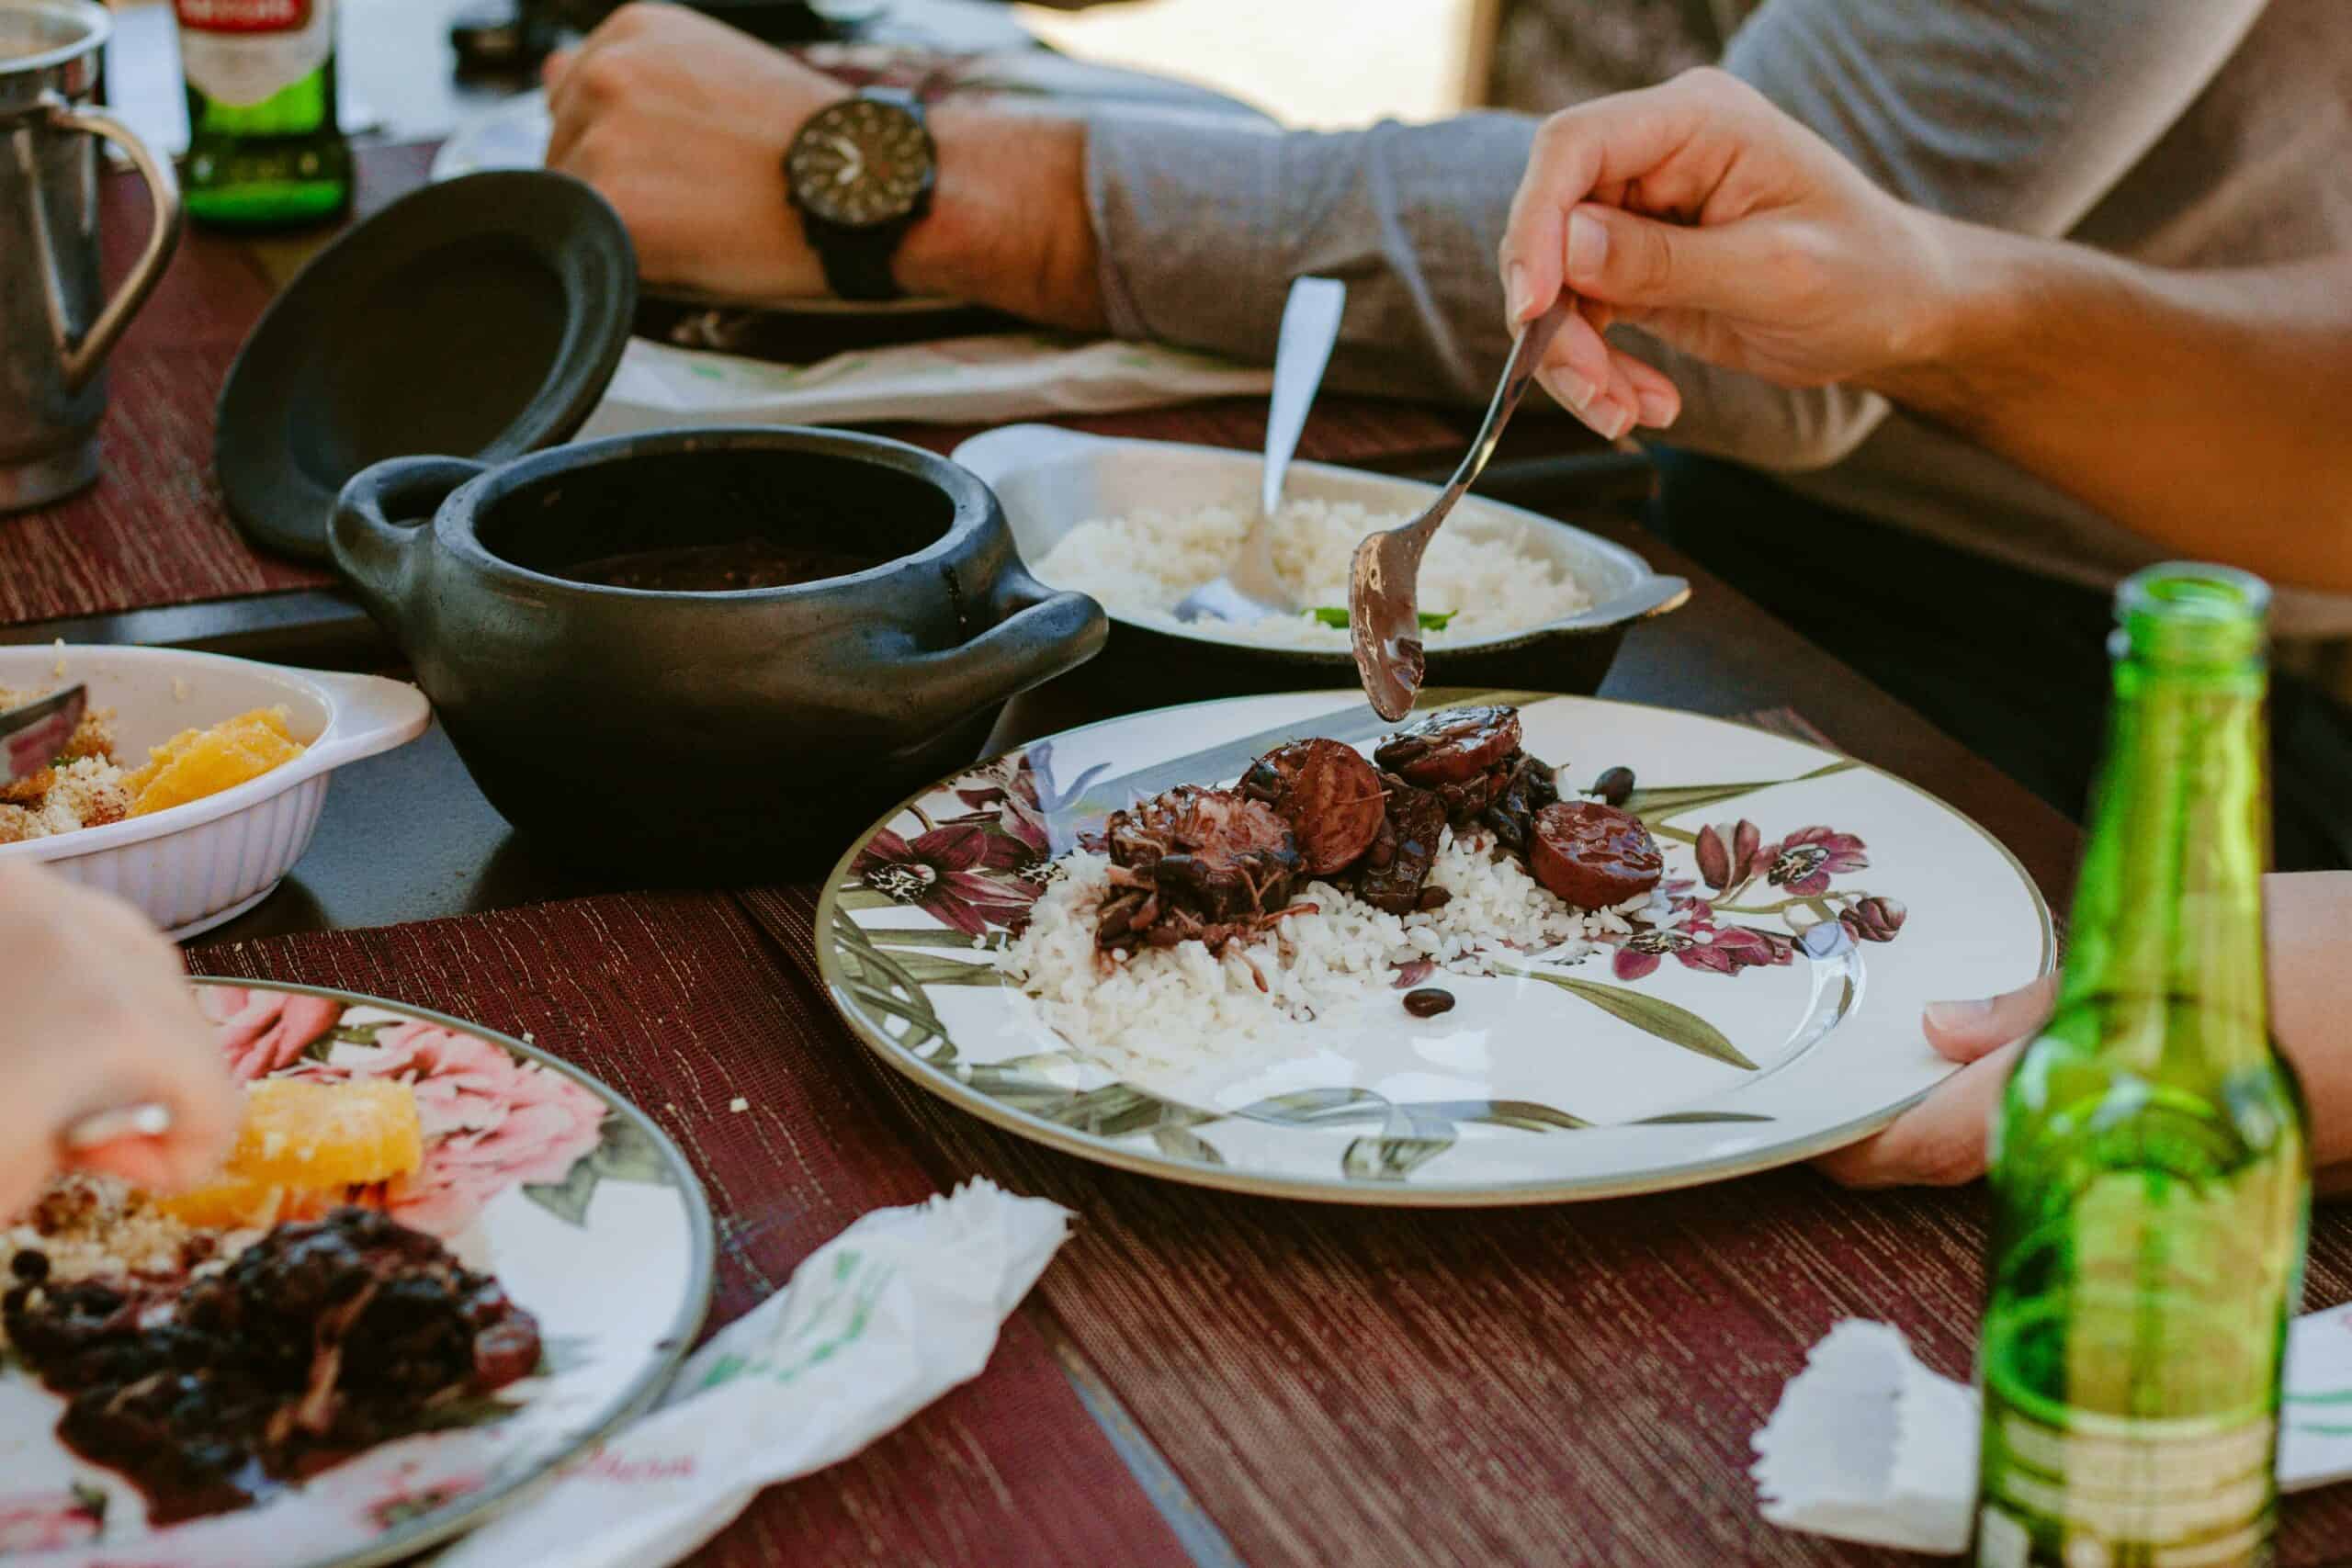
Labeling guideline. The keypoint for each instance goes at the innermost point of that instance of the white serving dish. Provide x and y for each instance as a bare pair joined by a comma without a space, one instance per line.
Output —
196,865
1049,481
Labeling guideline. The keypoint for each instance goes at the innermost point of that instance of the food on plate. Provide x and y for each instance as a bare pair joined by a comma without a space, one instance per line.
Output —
213,1344
1428,1001
1592,854
1474,583
88,786
1210,914
302,1148
310,1345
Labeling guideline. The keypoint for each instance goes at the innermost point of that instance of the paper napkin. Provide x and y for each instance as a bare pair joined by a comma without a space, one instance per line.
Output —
1867,1445
875,1324
988,378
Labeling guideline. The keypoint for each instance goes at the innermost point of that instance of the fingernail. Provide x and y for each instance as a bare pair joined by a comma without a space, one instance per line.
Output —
1658,410
1620,420
1515,291
1587,246
1956,1017
1579,391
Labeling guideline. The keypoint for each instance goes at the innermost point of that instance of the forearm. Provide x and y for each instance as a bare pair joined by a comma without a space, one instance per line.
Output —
2199,409
1009,227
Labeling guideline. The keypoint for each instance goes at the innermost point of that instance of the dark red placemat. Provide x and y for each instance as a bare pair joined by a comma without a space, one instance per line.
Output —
679,1003
1569,1384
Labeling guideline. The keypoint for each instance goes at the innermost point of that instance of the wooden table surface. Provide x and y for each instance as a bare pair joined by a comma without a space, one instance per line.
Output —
407,838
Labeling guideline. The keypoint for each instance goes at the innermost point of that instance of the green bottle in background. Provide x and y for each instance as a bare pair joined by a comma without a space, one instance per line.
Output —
2150,1162
264,149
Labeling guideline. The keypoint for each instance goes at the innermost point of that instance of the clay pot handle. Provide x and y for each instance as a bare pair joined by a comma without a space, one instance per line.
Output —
1042,632
382,512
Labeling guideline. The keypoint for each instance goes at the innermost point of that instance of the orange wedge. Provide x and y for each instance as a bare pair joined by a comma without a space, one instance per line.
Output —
302,1142
198,762
328,1134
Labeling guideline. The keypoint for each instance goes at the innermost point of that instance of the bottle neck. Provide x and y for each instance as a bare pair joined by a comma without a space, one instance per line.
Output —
2168,910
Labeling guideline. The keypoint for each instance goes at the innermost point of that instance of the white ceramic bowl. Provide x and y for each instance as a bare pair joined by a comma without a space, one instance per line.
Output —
196,865
1049,481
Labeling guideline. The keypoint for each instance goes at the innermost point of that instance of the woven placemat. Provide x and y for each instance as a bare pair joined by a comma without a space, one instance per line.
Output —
677,1002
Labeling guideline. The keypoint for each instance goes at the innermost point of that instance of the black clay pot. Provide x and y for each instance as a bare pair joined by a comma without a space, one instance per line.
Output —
696,734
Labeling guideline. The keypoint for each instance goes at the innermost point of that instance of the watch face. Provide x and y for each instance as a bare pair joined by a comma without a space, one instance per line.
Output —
860,164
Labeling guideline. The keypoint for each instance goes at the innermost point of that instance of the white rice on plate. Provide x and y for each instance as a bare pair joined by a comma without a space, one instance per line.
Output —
1180,1009
1141,565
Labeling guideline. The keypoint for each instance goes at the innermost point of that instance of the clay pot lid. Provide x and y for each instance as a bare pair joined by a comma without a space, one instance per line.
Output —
478,318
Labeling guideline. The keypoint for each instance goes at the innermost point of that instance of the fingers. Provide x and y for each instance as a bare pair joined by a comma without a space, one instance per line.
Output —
1964,1031
1620,258
1599,152
1938,1142
1606,388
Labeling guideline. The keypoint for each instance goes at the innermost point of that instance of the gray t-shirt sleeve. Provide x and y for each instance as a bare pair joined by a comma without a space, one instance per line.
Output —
2016,113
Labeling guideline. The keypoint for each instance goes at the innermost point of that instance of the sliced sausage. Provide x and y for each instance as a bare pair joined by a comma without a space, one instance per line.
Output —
1593,855
1328,794
1453,745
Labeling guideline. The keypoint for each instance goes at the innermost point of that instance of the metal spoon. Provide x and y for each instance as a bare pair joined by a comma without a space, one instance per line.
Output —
1384,613
1251,590
31,736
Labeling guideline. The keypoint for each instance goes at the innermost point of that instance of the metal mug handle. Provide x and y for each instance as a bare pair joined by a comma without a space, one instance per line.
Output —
80,360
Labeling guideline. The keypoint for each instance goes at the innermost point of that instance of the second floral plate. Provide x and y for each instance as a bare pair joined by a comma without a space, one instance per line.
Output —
1764,1008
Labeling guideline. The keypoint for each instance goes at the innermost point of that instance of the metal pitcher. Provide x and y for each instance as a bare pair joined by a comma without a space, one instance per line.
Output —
55,323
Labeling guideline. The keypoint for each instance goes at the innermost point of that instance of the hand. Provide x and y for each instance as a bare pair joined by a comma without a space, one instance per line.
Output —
1703,214
1940,1141
682,123
98,1017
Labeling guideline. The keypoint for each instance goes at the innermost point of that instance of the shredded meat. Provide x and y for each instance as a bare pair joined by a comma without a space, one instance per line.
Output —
322,1339
1398,862
1194,864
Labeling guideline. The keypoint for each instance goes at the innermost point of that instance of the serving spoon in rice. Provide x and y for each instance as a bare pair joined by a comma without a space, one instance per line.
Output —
1251,589
1384,608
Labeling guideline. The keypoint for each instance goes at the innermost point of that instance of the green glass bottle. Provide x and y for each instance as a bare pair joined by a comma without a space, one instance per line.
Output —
265,149
2150,1161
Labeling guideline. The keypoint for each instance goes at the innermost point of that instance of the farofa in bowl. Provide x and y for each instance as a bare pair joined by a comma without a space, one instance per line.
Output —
86,786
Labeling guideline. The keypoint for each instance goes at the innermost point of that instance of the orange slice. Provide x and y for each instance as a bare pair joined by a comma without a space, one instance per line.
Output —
311,1135
198,762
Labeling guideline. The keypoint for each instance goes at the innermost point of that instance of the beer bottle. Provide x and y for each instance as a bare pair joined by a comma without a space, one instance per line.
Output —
264,147
2150,1168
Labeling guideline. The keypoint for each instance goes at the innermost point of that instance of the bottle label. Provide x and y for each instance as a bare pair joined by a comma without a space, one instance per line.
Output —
2124,1494
242,51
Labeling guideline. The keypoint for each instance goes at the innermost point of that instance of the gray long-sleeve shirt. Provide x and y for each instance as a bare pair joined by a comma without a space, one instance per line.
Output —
2182,133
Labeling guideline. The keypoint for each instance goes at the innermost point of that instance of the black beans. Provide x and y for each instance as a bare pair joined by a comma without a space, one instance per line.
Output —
29,1266
1615,786
1433,899
1429,1001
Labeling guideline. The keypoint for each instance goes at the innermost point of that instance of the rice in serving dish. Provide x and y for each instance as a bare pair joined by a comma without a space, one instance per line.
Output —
1483,583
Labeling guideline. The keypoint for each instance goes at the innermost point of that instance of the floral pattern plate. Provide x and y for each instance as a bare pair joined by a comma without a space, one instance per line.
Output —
1825,903
586,1213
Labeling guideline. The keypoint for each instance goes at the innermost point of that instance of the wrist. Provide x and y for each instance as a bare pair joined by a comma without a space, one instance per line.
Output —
1008,226
1951,328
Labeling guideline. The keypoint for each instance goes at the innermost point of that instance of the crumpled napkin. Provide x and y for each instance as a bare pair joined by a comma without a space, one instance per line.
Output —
1867,1445
986,379
899,1308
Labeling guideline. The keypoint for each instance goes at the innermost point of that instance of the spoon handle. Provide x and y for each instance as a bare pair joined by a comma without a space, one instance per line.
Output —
1310,326
1526,354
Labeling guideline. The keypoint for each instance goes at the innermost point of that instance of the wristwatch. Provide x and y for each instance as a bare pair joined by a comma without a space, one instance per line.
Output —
860,175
